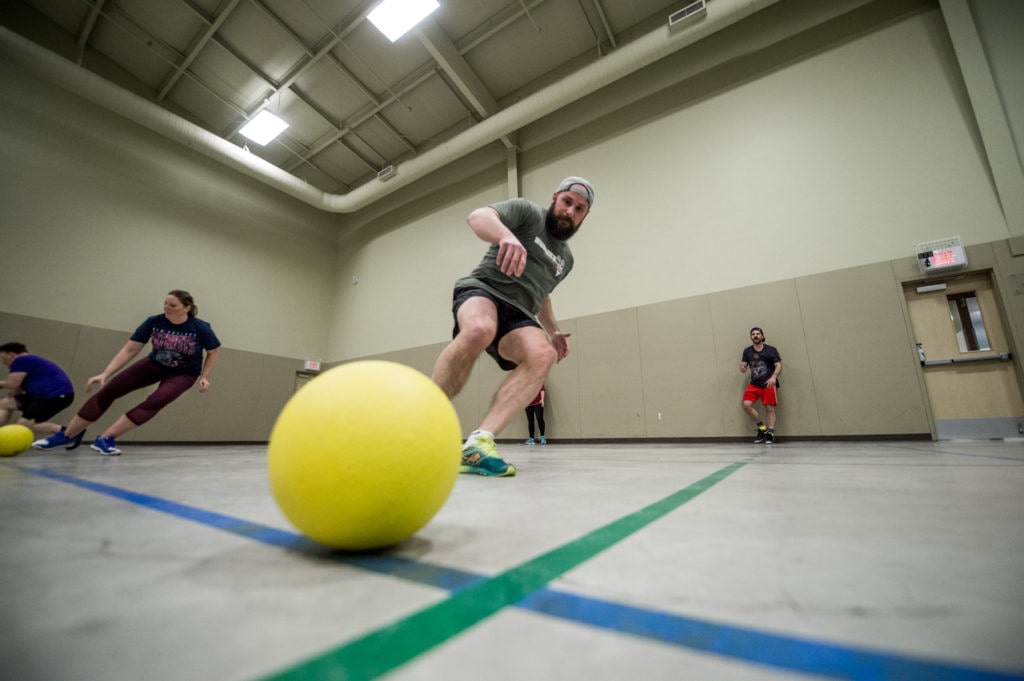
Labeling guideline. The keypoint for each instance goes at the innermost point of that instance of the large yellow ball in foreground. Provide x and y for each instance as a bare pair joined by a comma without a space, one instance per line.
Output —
14,439
364,455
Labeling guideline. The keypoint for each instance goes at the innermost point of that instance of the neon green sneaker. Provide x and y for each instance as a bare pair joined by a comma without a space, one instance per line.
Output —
480,456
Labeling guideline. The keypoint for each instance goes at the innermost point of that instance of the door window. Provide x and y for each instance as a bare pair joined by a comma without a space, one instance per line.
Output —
967,322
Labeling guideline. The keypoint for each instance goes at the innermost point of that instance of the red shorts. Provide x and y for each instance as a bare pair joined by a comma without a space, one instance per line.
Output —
768,396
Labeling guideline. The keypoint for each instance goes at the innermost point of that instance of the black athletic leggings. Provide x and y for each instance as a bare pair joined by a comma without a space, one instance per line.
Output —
538,411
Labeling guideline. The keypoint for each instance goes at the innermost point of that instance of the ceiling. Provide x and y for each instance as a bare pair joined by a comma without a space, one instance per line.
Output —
356,103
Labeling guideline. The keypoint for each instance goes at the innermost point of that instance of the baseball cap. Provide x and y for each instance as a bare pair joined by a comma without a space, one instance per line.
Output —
577,185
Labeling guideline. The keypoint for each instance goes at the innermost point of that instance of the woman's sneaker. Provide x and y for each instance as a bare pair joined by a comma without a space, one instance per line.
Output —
480,456
106,446
59,440
529,441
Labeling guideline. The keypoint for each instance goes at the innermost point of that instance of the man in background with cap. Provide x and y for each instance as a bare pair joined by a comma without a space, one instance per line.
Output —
765,365
504,308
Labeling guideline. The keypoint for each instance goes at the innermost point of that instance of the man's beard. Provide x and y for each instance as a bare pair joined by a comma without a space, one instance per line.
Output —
560,228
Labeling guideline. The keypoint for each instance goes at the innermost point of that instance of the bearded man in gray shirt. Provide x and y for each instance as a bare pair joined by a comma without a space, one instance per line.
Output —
504,308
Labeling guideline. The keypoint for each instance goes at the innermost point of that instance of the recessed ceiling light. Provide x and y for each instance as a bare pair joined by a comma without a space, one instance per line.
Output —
395,17
264,127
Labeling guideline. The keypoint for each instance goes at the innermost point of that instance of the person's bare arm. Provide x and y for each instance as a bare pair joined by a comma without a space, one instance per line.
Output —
486,224
123,356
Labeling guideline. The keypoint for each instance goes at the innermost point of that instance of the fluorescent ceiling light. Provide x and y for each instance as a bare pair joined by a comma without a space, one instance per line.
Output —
395,17
263,128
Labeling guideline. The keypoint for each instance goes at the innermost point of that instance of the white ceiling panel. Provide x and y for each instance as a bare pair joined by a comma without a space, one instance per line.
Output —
147,58
425,111
204,108
355,102
377,62
331,90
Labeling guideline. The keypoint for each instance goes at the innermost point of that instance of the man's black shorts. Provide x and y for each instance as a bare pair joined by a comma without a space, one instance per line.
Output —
510,318
42,410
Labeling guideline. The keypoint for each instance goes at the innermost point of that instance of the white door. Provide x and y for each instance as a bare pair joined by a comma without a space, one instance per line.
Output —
968,369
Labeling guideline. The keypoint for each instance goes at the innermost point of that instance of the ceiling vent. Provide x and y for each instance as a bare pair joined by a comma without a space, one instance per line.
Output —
386,174
688,15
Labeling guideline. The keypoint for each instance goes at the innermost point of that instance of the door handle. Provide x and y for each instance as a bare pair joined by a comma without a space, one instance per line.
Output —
1002,357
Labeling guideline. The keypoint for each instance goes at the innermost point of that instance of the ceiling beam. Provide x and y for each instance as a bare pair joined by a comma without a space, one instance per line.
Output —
459,72
457,68
90,22
222,13
372,111
604,22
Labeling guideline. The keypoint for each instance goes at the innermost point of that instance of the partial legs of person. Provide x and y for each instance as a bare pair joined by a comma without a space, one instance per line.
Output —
762,429
477,320
7,407
527,347
46,428
170,389
530,350
42,426
35,413
529,424
139,375
539,410
478,323
769,417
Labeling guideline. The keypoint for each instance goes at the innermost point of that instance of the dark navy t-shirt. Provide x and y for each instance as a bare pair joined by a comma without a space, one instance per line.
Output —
177,346
761,364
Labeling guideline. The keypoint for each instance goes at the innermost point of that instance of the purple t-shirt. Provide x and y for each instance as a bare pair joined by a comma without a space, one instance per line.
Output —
43,379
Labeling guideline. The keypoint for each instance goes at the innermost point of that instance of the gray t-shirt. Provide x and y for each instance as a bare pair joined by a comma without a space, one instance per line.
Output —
548,260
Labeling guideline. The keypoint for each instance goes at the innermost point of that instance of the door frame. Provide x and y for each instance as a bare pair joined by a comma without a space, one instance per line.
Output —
906,286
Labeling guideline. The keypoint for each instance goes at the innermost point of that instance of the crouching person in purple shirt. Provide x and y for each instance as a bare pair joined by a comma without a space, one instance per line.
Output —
37,387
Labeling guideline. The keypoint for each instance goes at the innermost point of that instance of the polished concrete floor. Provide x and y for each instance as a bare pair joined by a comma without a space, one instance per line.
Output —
888,560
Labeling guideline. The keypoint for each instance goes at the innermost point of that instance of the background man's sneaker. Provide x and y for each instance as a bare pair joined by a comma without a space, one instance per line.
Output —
761,435
769,437
480,456
106,446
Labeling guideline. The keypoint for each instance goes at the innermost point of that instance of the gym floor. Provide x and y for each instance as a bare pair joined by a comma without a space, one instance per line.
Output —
867,560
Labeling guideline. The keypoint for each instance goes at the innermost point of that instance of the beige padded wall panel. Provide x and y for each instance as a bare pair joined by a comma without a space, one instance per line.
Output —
681,377
775,308
56,341
611,390
562,410
863,359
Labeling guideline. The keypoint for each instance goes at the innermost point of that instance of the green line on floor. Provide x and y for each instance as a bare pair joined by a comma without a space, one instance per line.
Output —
391,646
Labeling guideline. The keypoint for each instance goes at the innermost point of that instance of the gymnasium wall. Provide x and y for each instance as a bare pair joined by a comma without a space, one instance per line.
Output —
850,361
786,190
832,150
101,218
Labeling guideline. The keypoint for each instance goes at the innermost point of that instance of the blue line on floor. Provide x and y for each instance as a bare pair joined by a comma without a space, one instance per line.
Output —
750,645
744,644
